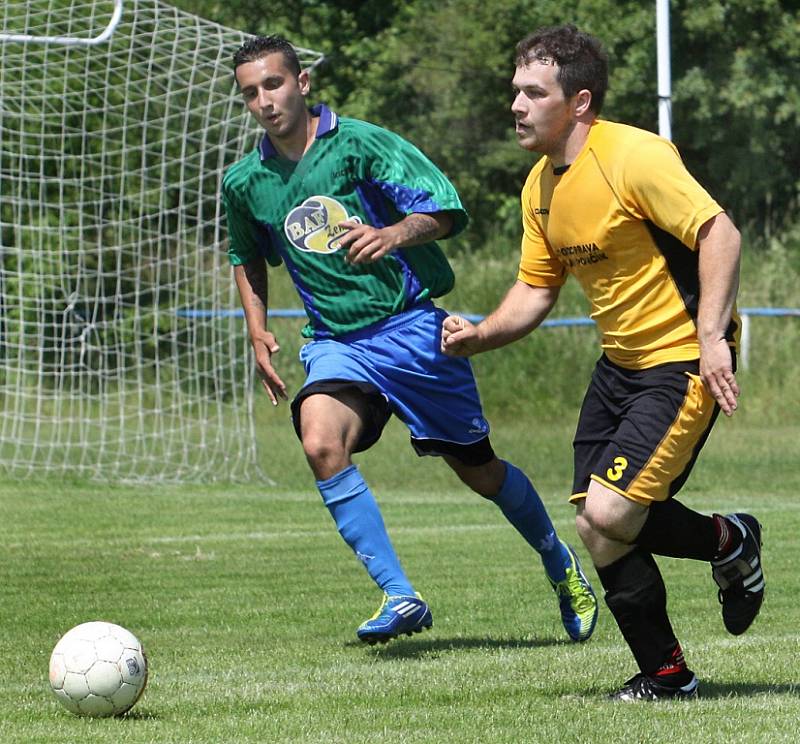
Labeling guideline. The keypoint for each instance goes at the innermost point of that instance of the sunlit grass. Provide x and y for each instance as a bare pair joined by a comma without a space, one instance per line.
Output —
247,602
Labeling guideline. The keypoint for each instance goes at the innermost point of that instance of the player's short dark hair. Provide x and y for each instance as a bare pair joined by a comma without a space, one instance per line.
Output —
581,60
260,46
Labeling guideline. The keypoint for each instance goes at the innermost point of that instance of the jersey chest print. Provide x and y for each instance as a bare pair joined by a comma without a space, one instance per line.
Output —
313,226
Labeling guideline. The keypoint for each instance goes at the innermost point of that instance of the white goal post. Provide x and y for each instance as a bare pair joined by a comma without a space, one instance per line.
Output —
111,157
103,36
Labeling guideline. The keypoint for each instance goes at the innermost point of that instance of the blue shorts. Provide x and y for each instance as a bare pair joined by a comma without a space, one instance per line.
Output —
399,363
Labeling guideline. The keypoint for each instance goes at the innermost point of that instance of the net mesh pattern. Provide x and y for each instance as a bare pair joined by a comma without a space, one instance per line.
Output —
111,160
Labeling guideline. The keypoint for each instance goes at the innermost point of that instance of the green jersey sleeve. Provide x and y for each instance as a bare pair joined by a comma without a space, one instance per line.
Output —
406,176
247,239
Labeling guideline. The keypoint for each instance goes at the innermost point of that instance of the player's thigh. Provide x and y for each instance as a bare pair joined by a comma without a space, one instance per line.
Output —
332,420
666,417
435,395
611,514
342,372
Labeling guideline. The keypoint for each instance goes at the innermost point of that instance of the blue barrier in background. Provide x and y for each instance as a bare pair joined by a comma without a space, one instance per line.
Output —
296,313
746,313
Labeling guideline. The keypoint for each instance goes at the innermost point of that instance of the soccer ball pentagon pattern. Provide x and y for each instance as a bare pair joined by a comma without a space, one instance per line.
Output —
98,669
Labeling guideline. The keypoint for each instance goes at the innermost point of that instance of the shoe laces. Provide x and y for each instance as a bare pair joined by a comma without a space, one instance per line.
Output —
380,609
388,598
573,589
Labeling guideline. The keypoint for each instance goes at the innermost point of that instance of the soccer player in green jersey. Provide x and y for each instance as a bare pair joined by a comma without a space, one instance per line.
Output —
658,259
353,212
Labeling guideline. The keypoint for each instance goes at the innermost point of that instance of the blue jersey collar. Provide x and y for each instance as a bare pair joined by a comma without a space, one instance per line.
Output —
328,121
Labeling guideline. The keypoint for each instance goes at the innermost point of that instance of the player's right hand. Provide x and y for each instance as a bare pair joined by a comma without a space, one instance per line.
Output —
264,346
716,372
459,336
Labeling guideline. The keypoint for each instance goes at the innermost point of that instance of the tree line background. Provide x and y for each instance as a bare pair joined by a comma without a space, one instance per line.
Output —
95,232
439,71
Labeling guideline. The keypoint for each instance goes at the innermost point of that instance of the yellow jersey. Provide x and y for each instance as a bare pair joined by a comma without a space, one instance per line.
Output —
623,218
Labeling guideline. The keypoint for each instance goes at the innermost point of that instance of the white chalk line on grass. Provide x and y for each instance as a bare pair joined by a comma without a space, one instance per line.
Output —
300,534
562,525
289,534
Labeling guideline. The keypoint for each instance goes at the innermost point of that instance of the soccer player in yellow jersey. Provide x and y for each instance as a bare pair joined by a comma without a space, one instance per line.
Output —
658,259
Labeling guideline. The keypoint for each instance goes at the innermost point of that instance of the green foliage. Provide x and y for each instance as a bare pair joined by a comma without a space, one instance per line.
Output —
737,106
439,73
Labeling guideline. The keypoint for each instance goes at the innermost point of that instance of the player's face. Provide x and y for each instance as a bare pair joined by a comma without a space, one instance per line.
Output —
544,117
274,96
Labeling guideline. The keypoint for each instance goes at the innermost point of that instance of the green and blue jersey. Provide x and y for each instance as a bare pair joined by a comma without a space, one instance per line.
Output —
288,212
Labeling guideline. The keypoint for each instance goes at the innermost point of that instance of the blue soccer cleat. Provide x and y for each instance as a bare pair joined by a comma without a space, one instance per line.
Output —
576,600
395,616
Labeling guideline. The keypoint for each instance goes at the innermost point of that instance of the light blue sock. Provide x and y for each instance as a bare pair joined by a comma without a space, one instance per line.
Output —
358,519
522,506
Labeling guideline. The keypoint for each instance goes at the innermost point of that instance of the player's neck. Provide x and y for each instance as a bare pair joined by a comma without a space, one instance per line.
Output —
572,144
297,143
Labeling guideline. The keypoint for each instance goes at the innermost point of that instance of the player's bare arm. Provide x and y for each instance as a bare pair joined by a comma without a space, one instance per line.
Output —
523,308
365,243
719,249
251,280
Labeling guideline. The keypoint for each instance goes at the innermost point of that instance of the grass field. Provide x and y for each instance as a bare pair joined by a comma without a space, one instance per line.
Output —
247,602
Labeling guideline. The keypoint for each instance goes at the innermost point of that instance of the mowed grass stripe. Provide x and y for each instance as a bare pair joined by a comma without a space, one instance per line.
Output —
247,602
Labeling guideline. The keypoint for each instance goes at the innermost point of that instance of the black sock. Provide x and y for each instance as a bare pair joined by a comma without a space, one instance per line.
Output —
673,530
637,597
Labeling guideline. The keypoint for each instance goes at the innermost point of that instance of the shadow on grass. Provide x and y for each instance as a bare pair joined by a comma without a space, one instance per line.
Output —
138,715
707,691
712,690
413,648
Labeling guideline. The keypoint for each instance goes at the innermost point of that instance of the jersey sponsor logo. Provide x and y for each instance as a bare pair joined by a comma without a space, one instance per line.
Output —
582,254
313,227
615,473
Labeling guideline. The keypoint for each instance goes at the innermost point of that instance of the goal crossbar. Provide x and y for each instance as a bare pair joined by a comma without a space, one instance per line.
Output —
102,37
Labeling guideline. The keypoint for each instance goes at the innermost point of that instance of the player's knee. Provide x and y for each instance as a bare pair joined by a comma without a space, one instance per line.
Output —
486,487
324,453
594,519
480,482
584,527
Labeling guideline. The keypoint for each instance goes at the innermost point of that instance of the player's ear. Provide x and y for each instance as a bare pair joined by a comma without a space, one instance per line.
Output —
304,82
582,102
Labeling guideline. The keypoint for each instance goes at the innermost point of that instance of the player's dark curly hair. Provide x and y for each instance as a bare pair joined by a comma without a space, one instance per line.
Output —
260,46
582,63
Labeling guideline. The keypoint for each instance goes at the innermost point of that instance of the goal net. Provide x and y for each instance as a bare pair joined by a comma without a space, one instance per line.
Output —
118,359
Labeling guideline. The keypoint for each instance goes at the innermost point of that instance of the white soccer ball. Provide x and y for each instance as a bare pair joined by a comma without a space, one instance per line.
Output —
98,669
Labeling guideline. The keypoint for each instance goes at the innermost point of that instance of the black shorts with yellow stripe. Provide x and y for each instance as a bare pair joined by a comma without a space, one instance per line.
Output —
640,431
